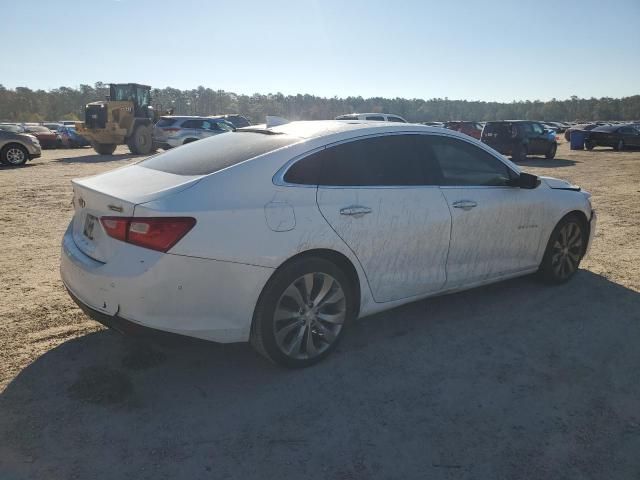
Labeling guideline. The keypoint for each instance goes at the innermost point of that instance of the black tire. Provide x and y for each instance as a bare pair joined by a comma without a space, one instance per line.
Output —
519,153
263,335
620,146
551,153
140,142
189,140
563,253
14,155
104,148
589,145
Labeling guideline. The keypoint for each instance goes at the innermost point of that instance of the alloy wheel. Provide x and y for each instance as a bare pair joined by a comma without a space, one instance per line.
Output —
15,156
309,316
567,250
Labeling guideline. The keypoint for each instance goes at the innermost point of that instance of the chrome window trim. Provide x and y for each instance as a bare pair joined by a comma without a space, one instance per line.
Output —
278,177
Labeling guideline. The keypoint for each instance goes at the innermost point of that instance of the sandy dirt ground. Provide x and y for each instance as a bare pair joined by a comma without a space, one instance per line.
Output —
515,380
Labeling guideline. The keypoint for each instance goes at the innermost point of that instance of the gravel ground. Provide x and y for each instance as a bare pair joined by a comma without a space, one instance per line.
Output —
515,380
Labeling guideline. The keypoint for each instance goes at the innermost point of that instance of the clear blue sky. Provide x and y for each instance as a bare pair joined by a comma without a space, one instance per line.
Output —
476,50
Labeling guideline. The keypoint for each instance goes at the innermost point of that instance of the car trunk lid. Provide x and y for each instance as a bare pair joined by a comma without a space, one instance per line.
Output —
116,194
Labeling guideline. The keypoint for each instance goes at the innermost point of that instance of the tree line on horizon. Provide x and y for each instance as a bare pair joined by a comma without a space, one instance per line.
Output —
65,103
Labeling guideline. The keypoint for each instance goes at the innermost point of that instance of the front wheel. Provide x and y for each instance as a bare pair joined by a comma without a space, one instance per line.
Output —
141,141
14,155
302,312
551,153
564,251
519,153
104,148
589,145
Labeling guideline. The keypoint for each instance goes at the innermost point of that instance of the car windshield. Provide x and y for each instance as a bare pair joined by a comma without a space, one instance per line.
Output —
37,129
217,152
12,128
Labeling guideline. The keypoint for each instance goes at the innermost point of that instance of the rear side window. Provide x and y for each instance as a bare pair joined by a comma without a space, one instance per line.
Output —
166,122
463,164
217,152
192,124
392,160
391,118
377,118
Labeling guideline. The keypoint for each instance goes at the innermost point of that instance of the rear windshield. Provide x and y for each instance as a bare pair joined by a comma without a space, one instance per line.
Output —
215,153
497,130
166,122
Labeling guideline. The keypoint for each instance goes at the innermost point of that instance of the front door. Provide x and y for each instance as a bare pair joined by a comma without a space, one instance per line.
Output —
496,229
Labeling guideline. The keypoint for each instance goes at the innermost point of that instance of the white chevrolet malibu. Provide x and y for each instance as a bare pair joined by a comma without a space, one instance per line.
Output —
280,236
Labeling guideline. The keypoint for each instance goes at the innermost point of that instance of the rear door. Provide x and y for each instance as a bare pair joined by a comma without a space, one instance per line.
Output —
538,140
385,205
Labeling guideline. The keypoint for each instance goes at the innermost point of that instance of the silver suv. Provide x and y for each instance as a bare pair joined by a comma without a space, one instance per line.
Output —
16,147
173,131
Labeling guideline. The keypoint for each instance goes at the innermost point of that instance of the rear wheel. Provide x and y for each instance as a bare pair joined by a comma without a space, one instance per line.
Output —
551,153
140,142
302,312
189,140
104,148
14,155
564,251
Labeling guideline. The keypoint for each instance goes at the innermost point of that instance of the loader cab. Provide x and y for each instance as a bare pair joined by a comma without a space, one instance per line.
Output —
139,95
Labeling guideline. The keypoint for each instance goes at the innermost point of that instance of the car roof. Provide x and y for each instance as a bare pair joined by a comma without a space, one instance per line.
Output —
607,128
324,128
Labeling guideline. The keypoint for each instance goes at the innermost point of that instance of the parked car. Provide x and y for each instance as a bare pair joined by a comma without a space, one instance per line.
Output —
238,121
70,137
68,122
618,137
280,236
519,138
584,127
376,117
46,137
16,147
473,129
173,131
433,124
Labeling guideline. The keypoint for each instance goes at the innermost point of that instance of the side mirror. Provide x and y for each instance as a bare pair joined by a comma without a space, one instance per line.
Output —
526,180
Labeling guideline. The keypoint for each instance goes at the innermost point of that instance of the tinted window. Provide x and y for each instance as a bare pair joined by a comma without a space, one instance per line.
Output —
395,119
379,161
464,164
375,117
216,152
192,124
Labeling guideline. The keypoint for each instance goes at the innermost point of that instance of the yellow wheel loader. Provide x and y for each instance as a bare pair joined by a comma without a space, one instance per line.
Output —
126,116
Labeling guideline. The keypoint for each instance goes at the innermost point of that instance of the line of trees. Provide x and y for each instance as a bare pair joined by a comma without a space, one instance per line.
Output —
25,105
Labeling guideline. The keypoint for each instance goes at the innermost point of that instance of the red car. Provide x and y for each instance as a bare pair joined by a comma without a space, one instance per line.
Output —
473,129
46,137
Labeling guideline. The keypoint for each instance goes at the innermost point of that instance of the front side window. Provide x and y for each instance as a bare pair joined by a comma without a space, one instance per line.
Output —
537,128
391,160
464,164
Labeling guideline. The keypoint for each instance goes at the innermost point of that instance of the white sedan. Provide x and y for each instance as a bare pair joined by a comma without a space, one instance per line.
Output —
281,236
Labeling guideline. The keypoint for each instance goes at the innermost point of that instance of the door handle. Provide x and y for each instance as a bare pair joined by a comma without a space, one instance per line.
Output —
465,205
356,211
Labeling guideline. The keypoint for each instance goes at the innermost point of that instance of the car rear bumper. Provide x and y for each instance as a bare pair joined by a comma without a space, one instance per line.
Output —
208,299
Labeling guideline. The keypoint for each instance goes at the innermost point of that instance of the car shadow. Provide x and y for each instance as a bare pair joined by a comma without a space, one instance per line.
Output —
505,381
543,162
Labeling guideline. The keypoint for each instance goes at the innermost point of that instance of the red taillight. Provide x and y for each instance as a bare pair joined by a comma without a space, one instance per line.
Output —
157,233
